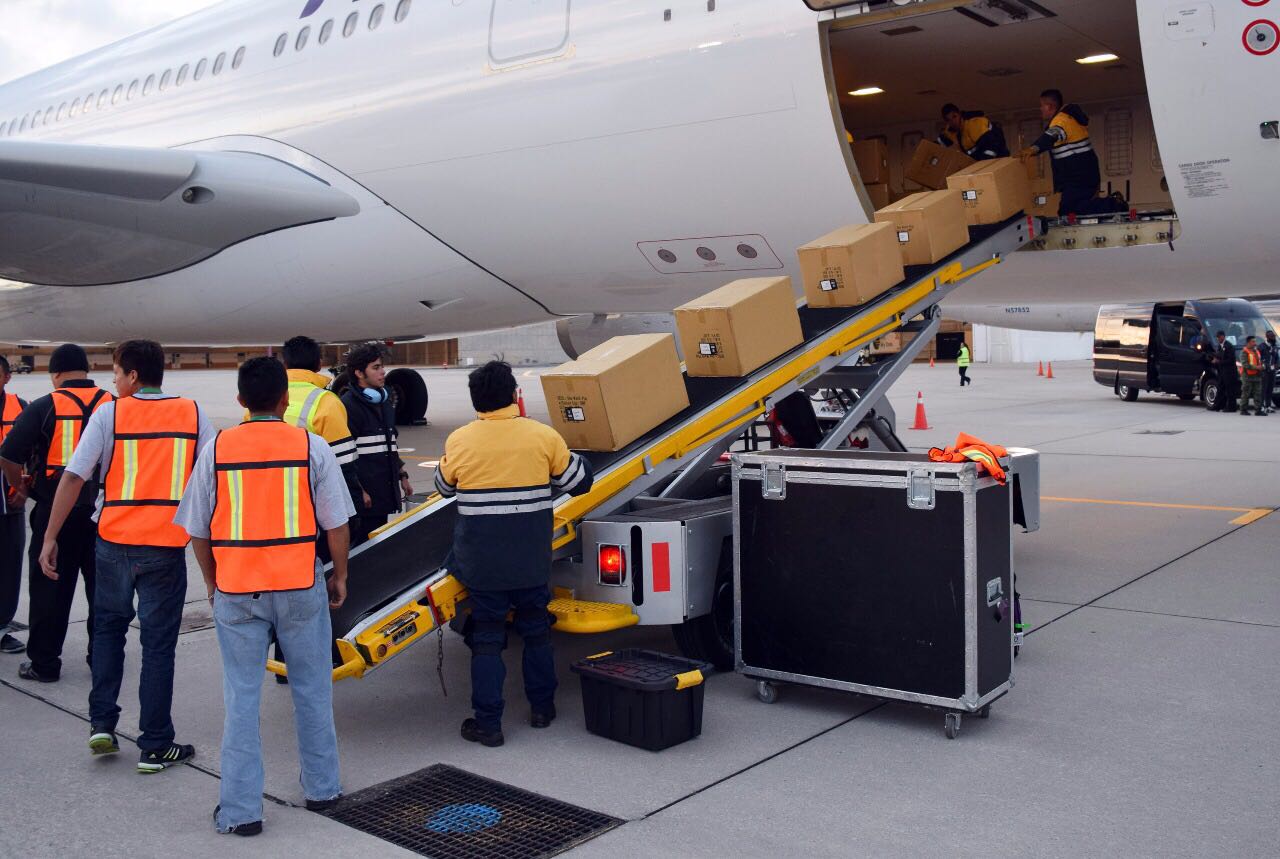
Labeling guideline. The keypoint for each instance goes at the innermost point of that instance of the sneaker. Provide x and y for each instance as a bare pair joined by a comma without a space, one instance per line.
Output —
322,804
544,718
103,742
28,672
242,829
155,761
473,733
9,644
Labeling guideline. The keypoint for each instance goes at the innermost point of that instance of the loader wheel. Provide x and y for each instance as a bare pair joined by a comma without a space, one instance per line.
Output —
710,637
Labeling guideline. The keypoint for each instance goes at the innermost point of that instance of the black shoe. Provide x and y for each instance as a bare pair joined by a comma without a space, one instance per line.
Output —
27,672
103,741
1244,412
472,733
243,829
9,644
160,759
543,719
322,804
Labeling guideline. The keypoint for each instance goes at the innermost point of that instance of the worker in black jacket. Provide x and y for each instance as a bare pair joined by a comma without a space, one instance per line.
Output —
1228,375
1270,363
1076,175
974,134
383,482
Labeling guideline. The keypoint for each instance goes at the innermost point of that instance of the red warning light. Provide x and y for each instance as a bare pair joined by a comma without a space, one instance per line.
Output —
613,565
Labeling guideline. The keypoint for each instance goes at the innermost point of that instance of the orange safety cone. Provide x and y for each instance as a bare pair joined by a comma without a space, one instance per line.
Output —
1049,375
922,422
930,360
1040,372
520,402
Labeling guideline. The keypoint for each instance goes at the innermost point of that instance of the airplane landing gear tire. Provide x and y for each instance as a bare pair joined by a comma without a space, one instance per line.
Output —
408,392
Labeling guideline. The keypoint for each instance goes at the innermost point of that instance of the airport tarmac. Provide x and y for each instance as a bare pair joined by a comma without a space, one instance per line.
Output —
1140,724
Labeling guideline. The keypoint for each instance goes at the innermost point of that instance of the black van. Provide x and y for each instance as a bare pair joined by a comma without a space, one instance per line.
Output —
1167,347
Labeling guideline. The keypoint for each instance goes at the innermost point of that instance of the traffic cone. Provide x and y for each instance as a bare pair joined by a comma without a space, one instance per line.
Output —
520,402
1040,372
922,422
1049,375
930,360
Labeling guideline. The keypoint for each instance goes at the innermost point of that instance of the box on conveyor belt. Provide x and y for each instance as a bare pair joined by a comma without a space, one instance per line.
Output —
932,163
930,225
739,327
850,266
872,158
1044,200
879,194
616,392
992,191
1037,166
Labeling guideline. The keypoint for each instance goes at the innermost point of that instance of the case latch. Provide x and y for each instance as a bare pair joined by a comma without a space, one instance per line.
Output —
921,494
773,481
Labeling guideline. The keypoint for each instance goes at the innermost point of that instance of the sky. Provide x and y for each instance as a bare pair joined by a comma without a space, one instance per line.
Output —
38,33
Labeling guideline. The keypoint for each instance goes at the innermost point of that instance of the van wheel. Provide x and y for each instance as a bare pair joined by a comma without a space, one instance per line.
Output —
1211,394
710,637
1127,393
408,392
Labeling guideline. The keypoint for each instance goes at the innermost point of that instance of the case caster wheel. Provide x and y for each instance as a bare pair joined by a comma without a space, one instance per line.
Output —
952,726
766,691
985,712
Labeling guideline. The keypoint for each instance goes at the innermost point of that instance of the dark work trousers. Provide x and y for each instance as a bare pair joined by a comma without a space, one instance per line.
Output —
362,524
1082,201
1268,398
964,376
487,639
13,538
50,601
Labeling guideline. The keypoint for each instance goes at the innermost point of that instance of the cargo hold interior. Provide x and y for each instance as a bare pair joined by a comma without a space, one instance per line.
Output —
996,56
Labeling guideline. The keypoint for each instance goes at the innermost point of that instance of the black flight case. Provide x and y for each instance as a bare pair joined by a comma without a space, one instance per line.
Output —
884,574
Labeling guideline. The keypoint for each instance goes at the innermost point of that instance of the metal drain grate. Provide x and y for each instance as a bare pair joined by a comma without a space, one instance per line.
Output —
444,812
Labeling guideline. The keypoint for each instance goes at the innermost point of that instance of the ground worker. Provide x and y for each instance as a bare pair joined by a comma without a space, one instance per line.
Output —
13,531
962,363
1270,350
37,451
505,472
382,481
1076,175
144,445
1224,364
258,499
1251,365
972,133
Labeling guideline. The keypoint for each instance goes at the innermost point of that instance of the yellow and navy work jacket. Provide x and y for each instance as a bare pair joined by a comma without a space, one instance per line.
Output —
1075,164
505,472
979,138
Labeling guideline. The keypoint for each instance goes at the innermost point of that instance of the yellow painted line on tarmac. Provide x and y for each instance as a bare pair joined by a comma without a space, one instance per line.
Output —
1250,514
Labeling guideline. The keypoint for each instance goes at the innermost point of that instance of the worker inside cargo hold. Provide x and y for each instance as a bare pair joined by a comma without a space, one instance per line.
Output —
1076,175
974,134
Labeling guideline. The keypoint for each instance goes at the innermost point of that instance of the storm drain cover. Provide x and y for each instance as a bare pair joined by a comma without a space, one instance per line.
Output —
444,812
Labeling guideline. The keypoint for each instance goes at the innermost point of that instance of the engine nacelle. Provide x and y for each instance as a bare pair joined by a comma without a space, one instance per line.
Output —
580,333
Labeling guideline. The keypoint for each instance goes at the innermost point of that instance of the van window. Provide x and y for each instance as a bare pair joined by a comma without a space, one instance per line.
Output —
1176,331
1135,333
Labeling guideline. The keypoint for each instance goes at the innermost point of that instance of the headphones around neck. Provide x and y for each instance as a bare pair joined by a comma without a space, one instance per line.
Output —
374,395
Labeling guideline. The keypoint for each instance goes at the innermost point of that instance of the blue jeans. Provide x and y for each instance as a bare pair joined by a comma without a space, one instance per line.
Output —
159,577
488,638
245,622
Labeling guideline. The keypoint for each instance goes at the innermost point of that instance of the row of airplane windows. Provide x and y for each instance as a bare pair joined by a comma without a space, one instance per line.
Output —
142,88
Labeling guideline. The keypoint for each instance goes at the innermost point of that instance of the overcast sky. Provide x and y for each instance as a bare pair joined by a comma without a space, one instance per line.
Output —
39,33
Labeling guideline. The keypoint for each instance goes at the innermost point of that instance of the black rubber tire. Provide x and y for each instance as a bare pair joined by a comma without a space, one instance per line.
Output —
710,637
1186,397
408,392
1210,393
1128,394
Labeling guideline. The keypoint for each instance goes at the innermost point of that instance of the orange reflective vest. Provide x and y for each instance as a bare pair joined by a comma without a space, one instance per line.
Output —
9,415
1252,361
263,530
72,408
974,449
151,462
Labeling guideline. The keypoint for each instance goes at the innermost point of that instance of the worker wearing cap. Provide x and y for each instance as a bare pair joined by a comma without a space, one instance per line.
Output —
259,497
13,531
505,472
1076,175
144,445
36,451
972,133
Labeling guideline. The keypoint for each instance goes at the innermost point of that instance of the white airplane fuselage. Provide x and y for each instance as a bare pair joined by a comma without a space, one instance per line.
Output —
519,161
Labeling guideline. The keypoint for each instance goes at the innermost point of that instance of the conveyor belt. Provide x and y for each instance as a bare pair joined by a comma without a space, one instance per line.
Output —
397,591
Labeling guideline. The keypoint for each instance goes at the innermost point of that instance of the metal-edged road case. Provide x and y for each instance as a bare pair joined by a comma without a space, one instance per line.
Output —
884,574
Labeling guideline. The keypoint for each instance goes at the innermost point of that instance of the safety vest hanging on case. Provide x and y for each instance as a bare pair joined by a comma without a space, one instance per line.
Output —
973,449
263,531
151,462
72,408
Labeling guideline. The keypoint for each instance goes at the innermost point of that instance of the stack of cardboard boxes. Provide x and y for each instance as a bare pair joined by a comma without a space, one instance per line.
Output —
872,160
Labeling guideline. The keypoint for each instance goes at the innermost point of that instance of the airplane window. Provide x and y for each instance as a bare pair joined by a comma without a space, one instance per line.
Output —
115,96
62,110
238,58
133,90
375,17
182,75
200,67
280,43
75,107
149,85
402,11
102,99
164,79
326,31
219,63
350,27
302,38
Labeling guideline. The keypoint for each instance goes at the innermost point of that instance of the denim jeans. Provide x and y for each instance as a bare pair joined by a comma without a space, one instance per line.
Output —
245,622
488,638
159,578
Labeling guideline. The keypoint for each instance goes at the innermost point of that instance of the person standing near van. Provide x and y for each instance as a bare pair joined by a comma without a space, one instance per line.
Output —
1270,350
962,364
1251,364
1224,362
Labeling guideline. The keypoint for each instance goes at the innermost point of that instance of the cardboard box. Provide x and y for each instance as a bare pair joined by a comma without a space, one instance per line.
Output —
872,158
992,191
929,225
616,392
739,327
1037,167
880,196
1044,201
851,265
932,163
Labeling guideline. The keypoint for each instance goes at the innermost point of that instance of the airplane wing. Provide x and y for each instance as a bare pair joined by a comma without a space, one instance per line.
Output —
75,215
